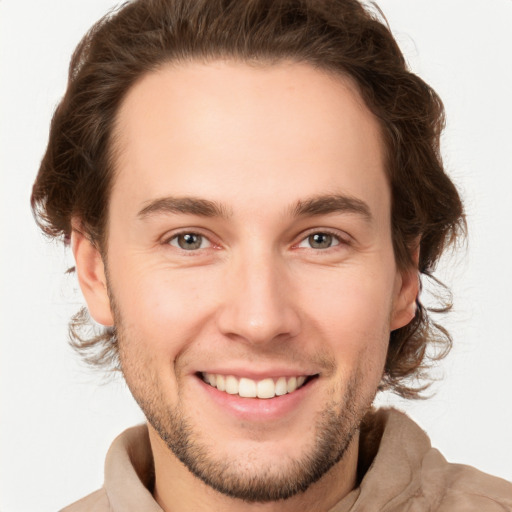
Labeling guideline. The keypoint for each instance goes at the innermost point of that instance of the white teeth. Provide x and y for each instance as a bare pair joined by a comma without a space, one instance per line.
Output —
248,388
221,383
281,386
232,385
292,385
266,388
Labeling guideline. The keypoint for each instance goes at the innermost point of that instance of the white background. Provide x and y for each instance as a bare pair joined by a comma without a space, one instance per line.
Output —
58,417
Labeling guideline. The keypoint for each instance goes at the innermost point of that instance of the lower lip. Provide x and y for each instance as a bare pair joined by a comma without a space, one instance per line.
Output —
258,409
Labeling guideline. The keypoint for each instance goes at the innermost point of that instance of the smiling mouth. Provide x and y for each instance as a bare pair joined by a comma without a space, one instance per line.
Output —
249,388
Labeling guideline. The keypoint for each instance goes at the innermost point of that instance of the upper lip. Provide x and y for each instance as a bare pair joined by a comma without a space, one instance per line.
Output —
259,374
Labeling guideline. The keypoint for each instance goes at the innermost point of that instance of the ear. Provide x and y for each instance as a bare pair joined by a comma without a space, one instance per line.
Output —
91,276
406,293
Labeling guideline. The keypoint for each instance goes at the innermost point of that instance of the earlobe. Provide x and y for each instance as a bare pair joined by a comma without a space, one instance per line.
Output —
91,276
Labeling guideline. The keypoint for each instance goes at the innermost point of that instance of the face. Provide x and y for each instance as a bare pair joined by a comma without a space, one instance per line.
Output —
250,271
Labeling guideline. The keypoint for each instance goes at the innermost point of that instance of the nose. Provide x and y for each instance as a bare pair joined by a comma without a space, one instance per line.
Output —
259,302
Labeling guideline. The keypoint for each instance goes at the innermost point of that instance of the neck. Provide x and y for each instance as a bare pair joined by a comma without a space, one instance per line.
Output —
179,490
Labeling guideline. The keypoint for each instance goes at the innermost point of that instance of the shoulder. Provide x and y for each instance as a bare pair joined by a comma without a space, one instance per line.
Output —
458,487
403,472
95,502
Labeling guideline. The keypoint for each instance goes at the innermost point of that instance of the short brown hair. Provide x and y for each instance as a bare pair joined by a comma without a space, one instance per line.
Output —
342,36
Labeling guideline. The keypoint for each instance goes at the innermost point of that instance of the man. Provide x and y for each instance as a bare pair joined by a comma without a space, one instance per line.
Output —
251,191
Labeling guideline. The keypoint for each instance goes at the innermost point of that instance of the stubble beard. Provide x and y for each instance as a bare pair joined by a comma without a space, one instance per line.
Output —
335,428
236,475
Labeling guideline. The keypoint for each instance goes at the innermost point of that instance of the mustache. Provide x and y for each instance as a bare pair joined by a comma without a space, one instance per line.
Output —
281,354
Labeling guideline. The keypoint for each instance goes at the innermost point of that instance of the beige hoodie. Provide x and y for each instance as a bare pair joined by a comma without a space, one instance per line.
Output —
399,472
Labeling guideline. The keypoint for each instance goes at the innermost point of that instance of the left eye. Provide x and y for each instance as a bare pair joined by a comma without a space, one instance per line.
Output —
189,241
320,241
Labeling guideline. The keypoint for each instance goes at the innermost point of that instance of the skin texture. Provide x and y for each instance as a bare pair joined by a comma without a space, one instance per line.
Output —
255,296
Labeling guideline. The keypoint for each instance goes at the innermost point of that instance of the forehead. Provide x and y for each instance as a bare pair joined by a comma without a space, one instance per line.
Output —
230,131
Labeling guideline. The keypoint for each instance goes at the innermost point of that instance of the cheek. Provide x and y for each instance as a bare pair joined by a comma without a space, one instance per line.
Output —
352,311
162,307
354,300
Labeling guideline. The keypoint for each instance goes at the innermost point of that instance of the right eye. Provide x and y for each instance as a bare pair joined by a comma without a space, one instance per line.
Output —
189,241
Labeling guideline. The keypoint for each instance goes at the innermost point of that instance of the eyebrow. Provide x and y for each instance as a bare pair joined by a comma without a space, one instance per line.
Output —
185,205
332,203
316,205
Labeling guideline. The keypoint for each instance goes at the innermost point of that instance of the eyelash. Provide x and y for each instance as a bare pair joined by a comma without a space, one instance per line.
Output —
341,240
